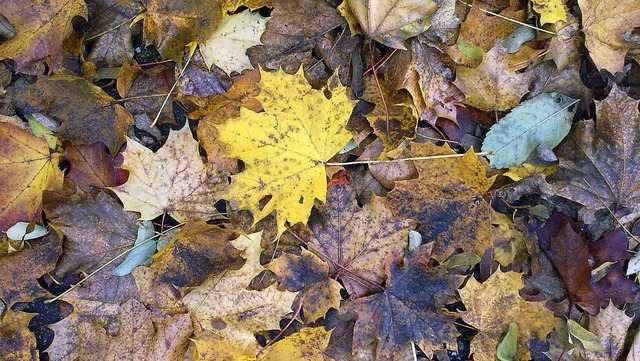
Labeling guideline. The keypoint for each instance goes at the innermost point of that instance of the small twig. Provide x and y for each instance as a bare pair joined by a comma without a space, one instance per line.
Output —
172,88
295,315
112,29
406,159
380,62
375,77
108,263
512,20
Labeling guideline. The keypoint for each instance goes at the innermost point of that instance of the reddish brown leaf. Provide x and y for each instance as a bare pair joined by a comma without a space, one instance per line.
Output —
92,167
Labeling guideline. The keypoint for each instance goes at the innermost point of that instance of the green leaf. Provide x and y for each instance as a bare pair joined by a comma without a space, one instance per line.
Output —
139,255
506,350
470,50
539,122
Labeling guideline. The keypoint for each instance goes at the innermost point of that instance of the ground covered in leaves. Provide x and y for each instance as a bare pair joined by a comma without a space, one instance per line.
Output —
319,179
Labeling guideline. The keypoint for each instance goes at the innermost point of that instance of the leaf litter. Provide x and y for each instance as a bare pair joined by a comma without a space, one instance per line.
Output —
268,215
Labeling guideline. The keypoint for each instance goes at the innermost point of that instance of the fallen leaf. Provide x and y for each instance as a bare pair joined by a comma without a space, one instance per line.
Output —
305,33
79,105
508,241
171,25
96,330
199,251
306,345
356,241
232,5
235,33
96,230
284,149
309,274
173,181
542,121
551,11
16,341
92,167
491,86
611,326
608,30
391,23
493,305
410,309
225,306
28,170
21,270
447,200
41,29
598,162
562,242
424,71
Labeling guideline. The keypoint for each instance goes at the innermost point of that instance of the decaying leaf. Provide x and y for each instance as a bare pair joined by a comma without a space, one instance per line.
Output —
611,326
224,305
493,305
491,86
16,341
171,25
609,31
40,27
393,22
447,201
410,309
599,162
236,33
173,181
79,105
28,170
285,147
307,345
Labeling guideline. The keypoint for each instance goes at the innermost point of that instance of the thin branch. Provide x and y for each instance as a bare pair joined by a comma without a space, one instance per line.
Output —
406,159
512,20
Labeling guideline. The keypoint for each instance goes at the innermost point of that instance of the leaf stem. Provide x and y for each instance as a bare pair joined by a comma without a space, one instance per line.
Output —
512,20
405,159
173,87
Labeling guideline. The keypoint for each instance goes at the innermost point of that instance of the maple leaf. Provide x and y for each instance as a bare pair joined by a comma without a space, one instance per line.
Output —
307,345
611,326
174,180
410,309
356,241
551,11
285,147
40,27
309,274
608,29
447,201
28,170
199,251
393,22
224,305
21,270
599,162
173,24
491,86
508,242
92,167
493,305
78,105
96,230
86,334
236,33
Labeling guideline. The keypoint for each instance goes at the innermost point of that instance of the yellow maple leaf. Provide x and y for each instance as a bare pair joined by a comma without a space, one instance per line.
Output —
285,147
551,11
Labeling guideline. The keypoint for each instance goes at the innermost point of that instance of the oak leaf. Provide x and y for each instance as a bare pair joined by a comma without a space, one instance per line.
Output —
40,29
28,170
225,306
356,241
410,309
393,22
599,162
174,180
491,86
608,30
284,148
447,201
493,305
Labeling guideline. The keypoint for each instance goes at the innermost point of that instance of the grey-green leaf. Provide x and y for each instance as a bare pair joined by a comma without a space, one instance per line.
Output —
518,37
545,119
139,255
